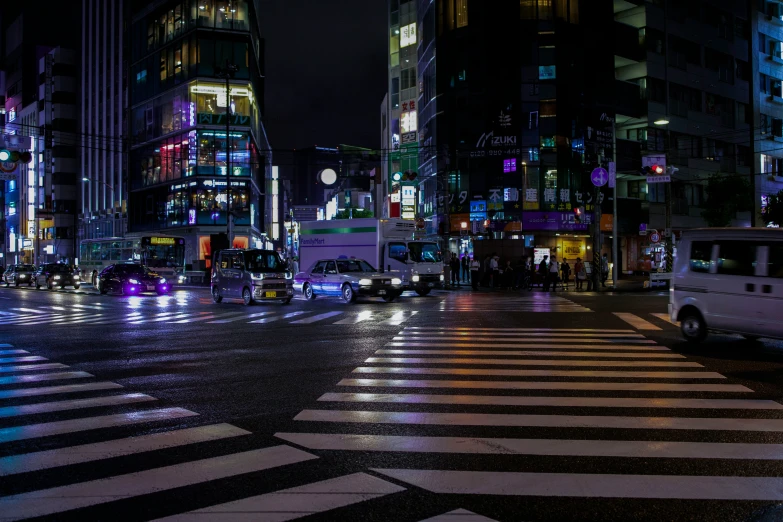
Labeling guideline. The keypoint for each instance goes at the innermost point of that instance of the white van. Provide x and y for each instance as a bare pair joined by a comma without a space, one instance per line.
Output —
729,280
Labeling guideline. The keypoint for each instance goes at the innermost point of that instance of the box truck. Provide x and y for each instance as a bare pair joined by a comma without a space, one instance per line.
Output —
387,244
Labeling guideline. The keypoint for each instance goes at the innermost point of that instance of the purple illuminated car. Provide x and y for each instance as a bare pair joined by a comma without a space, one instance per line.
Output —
131,279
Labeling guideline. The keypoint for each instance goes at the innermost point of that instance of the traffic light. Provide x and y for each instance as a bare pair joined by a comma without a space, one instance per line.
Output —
13,156
653,170
579,213
409,175
5,155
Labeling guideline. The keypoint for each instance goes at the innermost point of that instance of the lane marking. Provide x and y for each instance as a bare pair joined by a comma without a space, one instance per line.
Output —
241,317
542,421
619,355
539,373
636,321
591,485
365,315
91,493
665,317
297,502
115,448
53,390
31,367
316,318
12,352
76,404
548,385
459,515
567,402
528,362
24,359
277,318
33,431
30,310
398,318
502,330
16,379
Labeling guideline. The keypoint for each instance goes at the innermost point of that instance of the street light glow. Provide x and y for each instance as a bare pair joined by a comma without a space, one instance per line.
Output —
662,121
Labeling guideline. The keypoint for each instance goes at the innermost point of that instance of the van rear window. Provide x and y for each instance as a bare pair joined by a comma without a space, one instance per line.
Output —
701,254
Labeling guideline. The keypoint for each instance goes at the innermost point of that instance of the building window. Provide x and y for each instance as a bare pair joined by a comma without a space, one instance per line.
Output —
407,35
462,13
741,28
770,165
527,9
408,78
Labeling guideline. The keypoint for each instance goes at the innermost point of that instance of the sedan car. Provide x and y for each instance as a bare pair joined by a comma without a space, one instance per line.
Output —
347,278
56,274
19,275
132,279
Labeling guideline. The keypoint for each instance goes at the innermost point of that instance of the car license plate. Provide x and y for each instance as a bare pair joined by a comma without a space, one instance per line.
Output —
431,285
270,294
150,288
381,292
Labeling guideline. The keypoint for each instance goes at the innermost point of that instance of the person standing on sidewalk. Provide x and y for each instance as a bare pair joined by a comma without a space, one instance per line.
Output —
565,270
465,268
493,271
579,271
455,269
604,269
475,266
543,272
554,270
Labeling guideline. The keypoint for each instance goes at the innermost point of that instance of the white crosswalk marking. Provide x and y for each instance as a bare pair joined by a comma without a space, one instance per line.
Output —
459,515
47,407
31,367
28,358
54,390
539,373
277,318
509,302
550,353
297,502
528,362
40,377
399,318
316,318
365,315
636,321
665,317
12,352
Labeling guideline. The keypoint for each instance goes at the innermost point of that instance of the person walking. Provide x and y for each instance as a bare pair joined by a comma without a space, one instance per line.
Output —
475,267
455,269
579,271
554,270
465,268
604,269
543,271
565,271
493,271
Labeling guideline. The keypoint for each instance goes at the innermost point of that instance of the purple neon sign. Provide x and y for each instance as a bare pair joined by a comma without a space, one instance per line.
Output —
510,165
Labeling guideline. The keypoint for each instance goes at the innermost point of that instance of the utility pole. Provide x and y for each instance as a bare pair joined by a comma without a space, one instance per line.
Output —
615,225
228,73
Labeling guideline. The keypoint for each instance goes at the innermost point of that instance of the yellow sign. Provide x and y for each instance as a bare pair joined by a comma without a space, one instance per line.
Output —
162,241
573,249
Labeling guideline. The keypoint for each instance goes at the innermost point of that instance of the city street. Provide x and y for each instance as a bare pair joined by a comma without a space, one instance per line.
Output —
509,405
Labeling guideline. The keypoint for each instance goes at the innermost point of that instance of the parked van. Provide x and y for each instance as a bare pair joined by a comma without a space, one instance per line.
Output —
729,280
251,275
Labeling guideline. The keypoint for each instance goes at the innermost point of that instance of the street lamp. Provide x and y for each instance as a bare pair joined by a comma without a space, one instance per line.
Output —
661,121
667,190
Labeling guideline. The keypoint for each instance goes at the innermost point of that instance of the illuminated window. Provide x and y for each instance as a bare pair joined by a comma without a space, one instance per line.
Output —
408,122
462,13
408,35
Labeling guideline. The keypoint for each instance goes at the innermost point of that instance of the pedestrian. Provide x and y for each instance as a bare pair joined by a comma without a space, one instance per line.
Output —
493,271
565,270
543,272
604,269
508,275
554,270
485,278
465,268
579,270
475,266
455,269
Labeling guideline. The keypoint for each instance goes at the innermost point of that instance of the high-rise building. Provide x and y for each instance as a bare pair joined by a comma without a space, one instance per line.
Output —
196,98
103,120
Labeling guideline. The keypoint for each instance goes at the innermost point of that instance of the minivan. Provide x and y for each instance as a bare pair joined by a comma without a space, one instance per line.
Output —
728,280
251,275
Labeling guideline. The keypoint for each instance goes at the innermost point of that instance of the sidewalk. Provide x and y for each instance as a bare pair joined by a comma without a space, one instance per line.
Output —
626,284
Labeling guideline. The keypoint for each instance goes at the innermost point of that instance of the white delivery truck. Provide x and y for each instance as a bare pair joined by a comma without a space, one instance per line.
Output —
387,244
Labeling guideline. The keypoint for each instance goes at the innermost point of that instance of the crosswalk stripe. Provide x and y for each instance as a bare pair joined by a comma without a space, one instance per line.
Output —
300,501
627,355
493,330
30,319
548,385
68,456
316,318
580,345
568,402
158,319
6,345
207,317
47,429
529,362
97,318
541,373
94,307
665,317
24,359
53,390
277,318
31,367
84,494
636,321
399,318
12,352
486,336
591,485
459,515
76,404
243,316
29,310
71,318
358,318
17,379
542,421
540,447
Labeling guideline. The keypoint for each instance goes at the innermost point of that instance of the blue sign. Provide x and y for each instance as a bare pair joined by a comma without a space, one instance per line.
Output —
599,177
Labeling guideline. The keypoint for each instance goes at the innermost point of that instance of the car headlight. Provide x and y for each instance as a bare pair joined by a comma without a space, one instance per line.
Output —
365,282
57,277
397,281
289,275
257,277
415,279
181,279
441,277
162,280
134,281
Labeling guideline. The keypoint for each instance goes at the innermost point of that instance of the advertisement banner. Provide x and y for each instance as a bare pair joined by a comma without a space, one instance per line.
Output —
552,221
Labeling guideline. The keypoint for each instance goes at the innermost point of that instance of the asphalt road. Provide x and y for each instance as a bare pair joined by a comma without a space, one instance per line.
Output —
508,405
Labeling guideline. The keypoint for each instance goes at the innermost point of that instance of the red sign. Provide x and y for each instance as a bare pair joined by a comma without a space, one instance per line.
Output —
655,237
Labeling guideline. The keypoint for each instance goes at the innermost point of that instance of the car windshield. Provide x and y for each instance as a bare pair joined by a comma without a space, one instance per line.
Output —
25,268
264,262
345,266
132,269
424,252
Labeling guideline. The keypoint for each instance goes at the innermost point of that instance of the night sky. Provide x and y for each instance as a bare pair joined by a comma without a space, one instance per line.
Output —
325,71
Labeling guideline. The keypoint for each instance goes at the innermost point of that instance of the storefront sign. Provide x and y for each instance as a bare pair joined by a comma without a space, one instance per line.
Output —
573,249
607,222
538,255
553,221
409,137
207,118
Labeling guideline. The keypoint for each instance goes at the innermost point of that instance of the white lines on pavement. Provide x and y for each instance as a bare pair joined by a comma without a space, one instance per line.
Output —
542,421
53,390
47,407
365,315
277,318
551,353
459,515
115,448
74,496
221,321
529,362
566,402
13,352
24,359
665,317
31,367
577,345
540,373
503,330
398,318
165,316
547,385
29,310
636,321
591,485
95,307
315,318
39,377
301,501
6,345
209,317
541,447
486,336
33,431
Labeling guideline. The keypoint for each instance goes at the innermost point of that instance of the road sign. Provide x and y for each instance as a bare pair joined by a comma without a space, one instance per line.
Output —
655,237
612,174
649,161
642,229
7,177
659,179
599,177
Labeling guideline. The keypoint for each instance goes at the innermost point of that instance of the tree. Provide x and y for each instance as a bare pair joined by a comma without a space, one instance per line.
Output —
725,196
353,212
773,212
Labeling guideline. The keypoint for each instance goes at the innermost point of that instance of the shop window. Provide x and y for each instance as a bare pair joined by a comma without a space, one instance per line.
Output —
701,255
737,258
